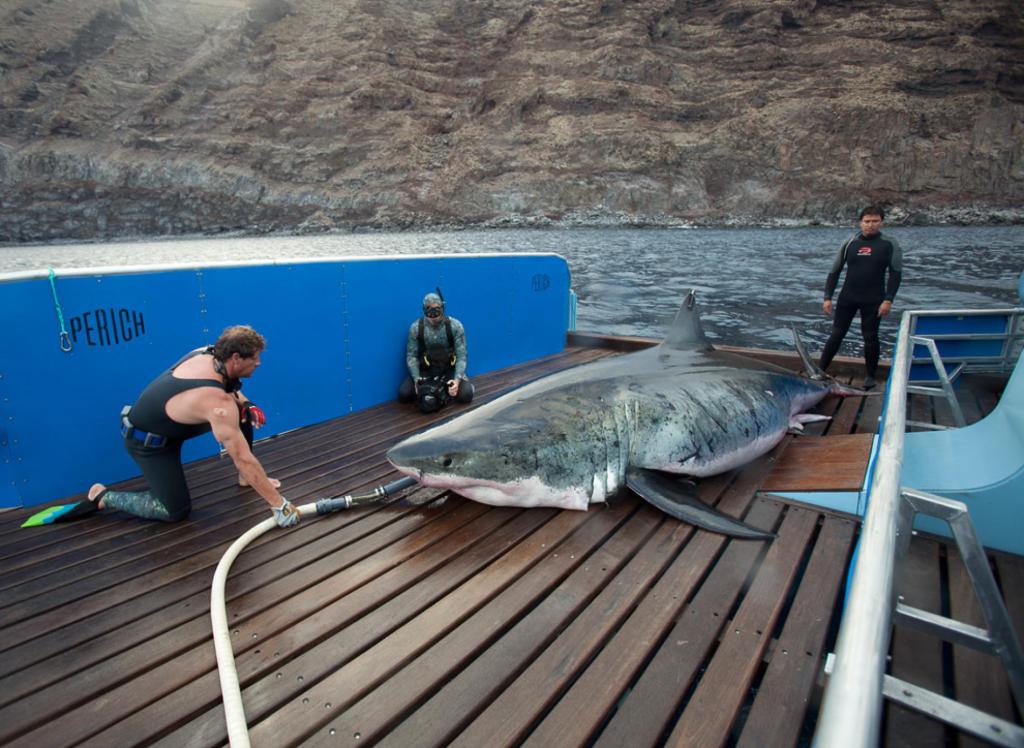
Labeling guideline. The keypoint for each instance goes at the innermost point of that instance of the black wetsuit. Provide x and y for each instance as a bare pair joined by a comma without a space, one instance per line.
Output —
867,260
168,498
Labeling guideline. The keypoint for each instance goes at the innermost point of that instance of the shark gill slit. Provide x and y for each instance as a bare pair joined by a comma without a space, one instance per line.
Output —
706,412
612,451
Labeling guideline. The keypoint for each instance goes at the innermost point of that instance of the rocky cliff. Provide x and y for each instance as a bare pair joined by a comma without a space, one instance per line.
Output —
126,117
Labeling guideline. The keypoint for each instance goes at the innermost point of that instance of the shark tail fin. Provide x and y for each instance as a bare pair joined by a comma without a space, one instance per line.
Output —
686,331
813,371
810,368
678,500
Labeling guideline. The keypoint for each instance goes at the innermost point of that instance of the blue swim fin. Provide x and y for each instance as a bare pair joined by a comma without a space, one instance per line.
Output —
61,513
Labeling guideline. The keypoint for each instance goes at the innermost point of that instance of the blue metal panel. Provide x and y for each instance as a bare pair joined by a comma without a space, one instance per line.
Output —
297,308
925,373
981,464
64,406
953,352
962,325
336,334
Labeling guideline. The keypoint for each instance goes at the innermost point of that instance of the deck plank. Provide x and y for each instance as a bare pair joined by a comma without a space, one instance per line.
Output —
846,415
579,713
980,679
870,414
715,704
123,625
1011,582
435,620
828,463
157,667
506,719
916,656
475,685
650,708
489,607
784,694
344,628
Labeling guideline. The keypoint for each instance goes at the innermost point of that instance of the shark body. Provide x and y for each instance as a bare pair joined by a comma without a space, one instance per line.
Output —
580,436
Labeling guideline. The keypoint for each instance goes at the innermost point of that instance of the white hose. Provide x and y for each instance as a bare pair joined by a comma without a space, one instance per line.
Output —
234,712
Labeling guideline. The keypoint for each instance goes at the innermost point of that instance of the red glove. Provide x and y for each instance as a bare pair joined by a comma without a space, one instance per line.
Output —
252,413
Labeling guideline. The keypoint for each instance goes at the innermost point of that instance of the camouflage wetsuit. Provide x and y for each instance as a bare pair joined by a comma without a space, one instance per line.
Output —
168,498
867,261
443,355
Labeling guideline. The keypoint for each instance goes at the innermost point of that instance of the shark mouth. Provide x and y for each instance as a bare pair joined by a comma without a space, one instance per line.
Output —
522,492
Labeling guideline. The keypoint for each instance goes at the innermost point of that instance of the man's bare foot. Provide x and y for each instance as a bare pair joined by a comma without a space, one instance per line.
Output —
94,492
273,481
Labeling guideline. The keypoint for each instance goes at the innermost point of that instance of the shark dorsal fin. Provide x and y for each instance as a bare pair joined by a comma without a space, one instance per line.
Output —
686,332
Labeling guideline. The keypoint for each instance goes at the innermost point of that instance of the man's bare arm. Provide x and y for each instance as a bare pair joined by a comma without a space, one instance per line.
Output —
223,418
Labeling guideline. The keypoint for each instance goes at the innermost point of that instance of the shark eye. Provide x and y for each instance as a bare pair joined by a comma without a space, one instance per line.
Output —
447,461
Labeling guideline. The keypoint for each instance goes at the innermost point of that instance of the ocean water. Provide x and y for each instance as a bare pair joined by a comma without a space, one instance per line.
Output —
753,284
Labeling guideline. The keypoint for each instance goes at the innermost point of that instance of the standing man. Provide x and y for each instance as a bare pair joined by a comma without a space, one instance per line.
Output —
868,257
435,354
200,393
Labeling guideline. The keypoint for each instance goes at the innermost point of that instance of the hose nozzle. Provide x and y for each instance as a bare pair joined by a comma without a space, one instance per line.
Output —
339,503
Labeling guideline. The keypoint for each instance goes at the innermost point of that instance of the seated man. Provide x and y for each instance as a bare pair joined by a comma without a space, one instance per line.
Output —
436,357
199,393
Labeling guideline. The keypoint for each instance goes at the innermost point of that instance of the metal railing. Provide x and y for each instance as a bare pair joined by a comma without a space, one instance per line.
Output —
962,362
1009,338
852,708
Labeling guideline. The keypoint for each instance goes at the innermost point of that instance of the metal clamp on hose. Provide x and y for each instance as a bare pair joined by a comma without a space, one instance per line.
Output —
339,503
326,506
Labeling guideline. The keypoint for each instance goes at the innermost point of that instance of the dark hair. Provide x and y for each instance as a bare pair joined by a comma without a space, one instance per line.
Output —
240,339
873,210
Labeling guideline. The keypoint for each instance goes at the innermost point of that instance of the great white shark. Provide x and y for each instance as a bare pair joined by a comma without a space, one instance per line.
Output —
577,437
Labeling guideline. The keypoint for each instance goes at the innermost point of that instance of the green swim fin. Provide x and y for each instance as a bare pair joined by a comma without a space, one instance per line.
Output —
61,513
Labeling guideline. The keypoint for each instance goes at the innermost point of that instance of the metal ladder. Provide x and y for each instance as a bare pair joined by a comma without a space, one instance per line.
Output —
999,639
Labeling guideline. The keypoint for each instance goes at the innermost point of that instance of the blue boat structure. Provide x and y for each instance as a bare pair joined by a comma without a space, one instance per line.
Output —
887,610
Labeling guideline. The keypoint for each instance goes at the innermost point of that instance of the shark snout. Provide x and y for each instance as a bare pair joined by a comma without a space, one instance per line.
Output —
416,456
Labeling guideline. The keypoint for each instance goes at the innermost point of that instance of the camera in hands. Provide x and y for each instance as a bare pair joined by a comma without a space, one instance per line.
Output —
433,394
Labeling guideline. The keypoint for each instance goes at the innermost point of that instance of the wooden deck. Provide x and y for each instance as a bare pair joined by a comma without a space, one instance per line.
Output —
436,620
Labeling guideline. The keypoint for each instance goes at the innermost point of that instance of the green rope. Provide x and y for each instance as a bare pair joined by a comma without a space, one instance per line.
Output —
65,340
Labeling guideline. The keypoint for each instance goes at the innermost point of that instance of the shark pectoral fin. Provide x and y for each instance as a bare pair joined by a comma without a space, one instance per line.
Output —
810,418
796,423
673,498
